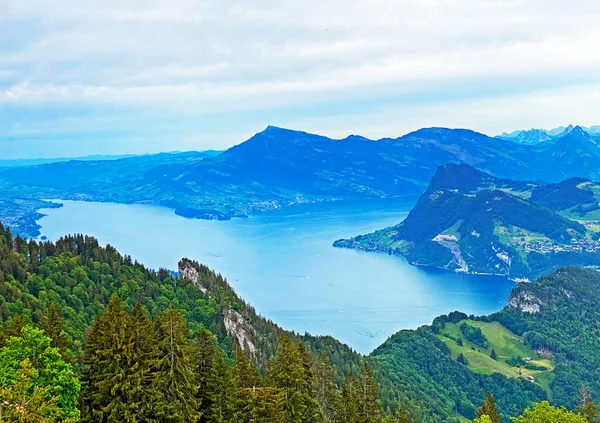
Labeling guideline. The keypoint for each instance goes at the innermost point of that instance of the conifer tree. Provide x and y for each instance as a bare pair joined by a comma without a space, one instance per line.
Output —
488,408
402,416
586,407
215,380
105,388
12,329
174,383
252,400
493,355
141,360
369,407
324,387
287,373
346,405
53,324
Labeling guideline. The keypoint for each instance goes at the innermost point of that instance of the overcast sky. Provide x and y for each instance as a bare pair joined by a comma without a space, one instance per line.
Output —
82,77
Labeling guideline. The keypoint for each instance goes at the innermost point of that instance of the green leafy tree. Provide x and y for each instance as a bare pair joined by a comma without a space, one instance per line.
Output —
175,382
543,412
488,408
45,373
25,402
483,419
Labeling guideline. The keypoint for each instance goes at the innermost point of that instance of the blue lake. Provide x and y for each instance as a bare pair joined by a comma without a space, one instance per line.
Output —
283,264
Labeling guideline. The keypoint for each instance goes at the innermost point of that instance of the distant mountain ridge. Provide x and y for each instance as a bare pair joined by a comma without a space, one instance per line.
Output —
278,167
536,136
469,221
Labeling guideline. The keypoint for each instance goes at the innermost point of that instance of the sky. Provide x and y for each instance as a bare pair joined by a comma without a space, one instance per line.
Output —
138,76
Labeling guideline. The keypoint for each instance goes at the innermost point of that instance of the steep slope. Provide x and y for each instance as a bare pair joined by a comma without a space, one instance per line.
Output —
546,338
78,276
469,221
576,154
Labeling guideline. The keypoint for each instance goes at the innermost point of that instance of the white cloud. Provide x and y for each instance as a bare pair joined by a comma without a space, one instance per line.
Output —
219,56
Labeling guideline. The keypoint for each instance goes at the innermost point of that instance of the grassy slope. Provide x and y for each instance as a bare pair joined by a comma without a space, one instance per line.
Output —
505,343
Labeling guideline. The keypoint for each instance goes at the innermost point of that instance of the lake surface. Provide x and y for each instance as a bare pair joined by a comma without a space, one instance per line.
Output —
283,264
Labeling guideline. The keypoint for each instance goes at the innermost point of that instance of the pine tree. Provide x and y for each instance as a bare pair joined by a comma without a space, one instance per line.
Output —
174,382
402,416
347,402
369,407
141,362
586,407
53,324
106,362
253,401
488,408
324,387
493,355
287,373
13,329
461,359
215,380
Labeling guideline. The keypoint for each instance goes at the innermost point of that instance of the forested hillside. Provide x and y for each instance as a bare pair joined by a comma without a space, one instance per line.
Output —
155,346
472,222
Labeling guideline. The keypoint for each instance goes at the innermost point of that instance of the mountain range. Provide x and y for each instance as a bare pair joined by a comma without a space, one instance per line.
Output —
278,167
537,136
472,222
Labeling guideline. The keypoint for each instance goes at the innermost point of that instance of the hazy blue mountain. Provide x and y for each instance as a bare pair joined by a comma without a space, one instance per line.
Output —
469,221
280,167
530,137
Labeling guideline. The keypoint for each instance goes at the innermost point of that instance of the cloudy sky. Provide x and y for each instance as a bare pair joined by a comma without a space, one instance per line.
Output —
81,77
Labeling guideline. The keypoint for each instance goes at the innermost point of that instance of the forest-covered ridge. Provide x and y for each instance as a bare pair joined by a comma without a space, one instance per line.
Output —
472,222
79,278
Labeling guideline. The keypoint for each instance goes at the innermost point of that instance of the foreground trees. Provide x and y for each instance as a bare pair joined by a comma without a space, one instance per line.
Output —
139,371
37,385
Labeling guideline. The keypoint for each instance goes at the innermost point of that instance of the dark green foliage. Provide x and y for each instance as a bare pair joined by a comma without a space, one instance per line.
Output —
474,335
369,407
175,382
565,328
107,370
488,408
493,355
215,380
416,369
291,373
324,387
469,207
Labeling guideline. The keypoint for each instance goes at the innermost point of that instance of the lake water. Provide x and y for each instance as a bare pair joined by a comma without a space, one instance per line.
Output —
283,264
